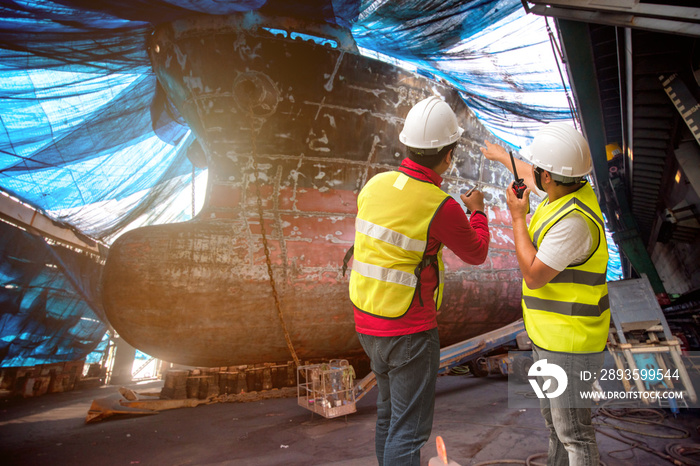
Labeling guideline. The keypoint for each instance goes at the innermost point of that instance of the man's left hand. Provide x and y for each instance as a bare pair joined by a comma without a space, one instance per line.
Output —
518,207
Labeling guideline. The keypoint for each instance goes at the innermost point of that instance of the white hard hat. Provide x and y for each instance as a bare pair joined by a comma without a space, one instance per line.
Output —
560,149
430,124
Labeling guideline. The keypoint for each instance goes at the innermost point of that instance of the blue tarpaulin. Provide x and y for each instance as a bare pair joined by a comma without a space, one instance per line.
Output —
88,138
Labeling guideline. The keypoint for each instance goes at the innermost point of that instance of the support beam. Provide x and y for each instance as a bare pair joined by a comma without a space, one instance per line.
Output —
630,241
123,362
576,43
623,13
17,213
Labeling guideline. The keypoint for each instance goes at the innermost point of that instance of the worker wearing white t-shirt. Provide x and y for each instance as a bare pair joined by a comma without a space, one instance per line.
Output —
562,255
569,241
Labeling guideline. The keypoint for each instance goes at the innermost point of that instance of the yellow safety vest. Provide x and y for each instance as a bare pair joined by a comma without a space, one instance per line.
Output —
390,246
571,313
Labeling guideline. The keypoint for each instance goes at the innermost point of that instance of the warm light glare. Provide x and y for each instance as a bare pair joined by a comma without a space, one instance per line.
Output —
678,176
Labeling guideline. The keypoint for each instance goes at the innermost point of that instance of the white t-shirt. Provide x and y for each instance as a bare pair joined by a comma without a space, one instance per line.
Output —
568,242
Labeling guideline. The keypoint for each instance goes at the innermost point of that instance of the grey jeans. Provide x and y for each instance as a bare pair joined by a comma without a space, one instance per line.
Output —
571,434
406,368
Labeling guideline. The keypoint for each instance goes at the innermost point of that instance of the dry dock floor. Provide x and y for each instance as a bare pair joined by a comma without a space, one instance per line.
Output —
471,414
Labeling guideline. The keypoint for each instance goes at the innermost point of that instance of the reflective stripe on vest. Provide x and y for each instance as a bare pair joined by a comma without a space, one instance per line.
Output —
389,236
389,245
571,313
384,274
567,207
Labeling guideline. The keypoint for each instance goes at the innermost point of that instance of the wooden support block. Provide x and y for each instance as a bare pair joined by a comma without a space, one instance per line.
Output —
242,382
175,385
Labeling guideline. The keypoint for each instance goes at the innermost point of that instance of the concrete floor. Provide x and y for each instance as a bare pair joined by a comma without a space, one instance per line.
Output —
472,416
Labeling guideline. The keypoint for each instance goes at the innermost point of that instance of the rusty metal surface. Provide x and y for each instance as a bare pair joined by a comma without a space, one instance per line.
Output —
324,121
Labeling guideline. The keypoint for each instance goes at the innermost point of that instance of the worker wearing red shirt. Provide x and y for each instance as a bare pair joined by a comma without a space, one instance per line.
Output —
396,284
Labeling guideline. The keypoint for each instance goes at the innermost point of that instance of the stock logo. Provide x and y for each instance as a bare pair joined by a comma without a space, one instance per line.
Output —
547,371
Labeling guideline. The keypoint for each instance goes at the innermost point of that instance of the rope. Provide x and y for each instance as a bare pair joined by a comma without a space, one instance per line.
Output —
530,461
266,248
557,57
643,447
459,370
682,452
677,454
644,416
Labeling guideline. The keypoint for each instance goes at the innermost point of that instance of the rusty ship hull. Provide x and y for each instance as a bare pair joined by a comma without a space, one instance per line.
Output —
291,129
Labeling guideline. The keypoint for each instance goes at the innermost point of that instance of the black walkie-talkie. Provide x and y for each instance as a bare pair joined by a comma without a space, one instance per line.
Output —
519,186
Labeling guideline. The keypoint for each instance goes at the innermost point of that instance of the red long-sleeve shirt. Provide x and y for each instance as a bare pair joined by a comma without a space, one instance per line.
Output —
467,238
